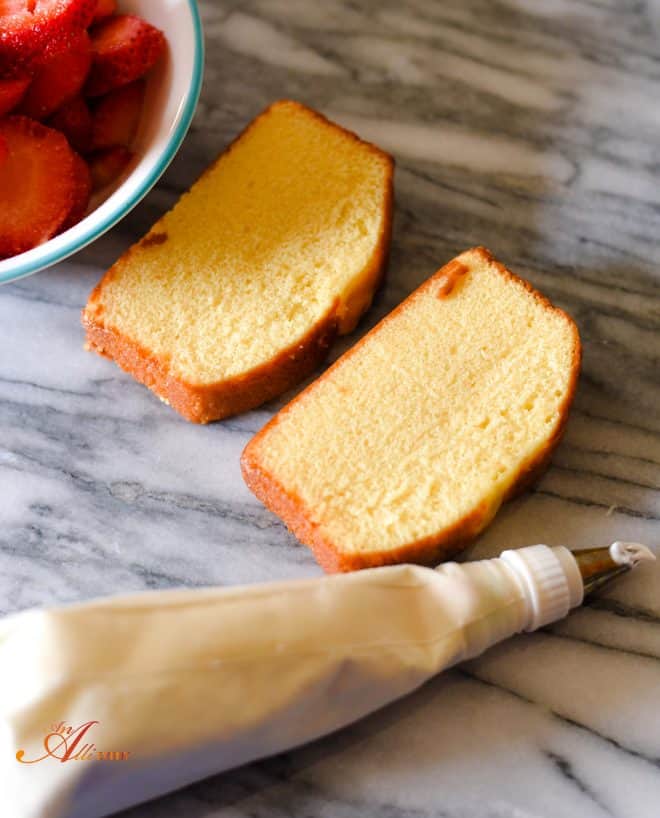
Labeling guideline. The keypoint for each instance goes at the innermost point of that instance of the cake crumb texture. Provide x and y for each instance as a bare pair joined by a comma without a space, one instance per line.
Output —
406,447
237,293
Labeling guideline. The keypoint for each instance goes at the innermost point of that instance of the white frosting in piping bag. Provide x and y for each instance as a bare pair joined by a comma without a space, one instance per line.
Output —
191,683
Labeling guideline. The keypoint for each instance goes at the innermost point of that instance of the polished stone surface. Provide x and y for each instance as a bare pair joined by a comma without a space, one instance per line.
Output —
529,126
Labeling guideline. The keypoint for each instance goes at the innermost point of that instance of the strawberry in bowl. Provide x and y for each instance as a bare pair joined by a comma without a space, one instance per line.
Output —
71,97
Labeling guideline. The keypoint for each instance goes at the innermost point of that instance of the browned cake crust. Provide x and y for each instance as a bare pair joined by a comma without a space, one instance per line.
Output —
440,546
202,403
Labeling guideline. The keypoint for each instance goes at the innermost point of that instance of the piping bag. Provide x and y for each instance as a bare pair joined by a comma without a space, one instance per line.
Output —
112,702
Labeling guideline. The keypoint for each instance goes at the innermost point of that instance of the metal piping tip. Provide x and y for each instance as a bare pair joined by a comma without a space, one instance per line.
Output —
600,565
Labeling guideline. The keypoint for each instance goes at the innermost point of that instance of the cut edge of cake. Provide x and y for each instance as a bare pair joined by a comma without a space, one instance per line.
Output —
444,544
203,403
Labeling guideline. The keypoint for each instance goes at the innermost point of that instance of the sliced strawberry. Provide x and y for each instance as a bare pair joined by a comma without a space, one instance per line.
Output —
74,120
125,48
104,8
14,6
107,165
81,193
59,79
37,184
33,29
11,93
117,116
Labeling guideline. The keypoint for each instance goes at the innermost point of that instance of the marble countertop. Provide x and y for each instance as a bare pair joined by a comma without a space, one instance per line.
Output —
529,126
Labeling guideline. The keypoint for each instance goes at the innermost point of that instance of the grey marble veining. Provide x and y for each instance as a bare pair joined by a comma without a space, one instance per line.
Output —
529,126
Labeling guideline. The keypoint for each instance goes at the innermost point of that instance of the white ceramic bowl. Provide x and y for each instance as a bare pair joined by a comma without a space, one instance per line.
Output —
172,93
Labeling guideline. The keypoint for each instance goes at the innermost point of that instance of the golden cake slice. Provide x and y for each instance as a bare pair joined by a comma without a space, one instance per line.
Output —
405,448
236,294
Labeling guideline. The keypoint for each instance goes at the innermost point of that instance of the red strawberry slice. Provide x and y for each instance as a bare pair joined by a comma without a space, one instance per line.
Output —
11,93
104,8
107,165
37,184
81,192
14,6
33,29
59,78
117,116
125,48
74,120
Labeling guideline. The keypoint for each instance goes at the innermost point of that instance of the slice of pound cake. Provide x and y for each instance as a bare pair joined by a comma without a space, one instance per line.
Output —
236,294
406,447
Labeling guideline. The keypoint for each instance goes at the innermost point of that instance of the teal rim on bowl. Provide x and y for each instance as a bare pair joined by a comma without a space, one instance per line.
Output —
87,234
